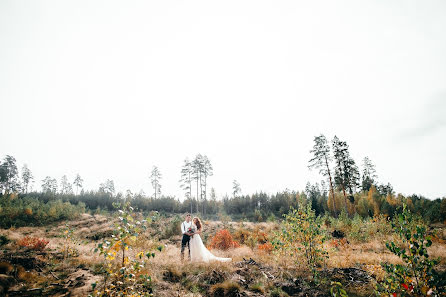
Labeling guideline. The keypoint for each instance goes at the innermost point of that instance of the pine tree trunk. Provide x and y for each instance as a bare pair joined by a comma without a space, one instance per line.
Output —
201,192
343,191
197,195
190,193
331,185
345,199
205,200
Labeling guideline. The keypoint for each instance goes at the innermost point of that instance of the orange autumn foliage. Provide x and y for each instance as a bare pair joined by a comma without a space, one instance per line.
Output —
338,243
266,247
223,240
33,243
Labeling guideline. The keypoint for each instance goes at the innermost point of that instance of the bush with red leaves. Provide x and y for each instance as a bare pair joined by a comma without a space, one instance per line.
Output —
33,243
266,247
223,240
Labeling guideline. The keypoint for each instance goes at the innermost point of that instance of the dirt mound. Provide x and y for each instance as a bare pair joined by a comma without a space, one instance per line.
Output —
93,227
79,283
26,259
350,275
6,281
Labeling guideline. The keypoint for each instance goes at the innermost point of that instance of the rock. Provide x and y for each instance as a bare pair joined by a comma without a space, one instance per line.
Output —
80,282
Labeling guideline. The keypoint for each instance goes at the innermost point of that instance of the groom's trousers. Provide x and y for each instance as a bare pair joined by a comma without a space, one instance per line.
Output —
185,242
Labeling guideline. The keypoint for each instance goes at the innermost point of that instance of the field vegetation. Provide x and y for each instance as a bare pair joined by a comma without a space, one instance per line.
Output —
345,236
135,253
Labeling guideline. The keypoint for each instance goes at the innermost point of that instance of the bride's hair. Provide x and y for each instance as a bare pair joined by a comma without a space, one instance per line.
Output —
198,223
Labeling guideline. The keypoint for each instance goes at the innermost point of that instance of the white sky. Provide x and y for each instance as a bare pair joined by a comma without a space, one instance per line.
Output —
108,89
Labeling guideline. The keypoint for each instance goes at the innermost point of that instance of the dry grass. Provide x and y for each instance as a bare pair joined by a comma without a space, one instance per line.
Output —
173,278
438,250
354,255
170,257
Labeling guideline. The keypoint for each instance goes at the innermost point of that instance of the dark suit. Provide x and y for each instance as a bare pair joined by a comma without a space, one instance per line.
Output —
185,242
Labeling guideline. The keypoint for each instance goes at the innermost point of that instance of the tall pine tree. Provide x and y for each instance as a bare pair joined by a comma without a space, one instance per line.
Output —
321,160
368,174
9,175
27,178
346,171
155,179
186,180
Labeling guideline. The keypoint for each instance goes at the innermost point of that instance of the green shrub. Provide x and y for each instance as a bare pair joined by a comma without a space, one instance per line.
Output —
357,231
302,235
258,216
173,228
336,290
417,276
271,218
124,272
29,211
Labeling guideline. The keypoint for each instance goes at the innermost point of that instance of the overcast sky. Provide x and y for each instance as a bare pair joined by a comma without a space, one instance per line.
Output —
108,89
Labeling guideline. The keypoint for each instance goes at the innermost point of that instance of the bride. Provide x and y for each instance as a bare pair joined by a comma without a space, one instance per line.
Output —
198,252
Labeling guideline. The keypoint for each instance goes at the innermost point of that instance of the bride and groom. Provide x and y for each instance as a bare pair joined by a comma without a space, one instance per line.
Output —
191,238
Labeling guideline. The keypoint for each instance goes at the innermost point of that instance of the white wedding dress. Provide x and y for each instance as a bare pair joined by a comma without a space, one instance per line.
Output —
199,253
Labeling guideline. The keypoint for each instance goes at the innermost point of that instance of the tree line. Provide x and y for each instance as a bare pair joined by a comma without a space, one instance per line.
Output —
340,170
344,188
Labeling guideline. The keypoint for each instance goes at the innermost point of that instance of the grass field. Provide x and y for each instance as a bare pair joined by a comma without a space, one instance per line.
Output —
68,265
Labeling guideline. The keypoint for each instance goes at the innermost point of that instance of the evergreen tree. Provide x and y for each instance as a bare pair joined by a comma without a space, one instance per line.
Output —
65,186
186,180
346,171
236,190
313,193
320,160
78,181
27,178
207,171
368,174
385,189
9,175
129,195
197,166
155,178
352,175
213,195
49,185
199,170
340,152
108,187
2,177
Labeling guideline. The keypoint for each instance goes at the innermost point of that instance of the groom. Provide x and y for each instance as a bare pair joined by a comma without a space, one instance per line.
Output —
185,229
